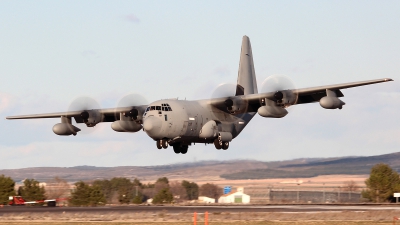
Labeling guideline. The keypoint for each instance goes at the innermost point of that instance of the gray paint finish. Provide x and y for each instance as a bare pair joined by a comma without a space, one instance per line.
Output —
180,123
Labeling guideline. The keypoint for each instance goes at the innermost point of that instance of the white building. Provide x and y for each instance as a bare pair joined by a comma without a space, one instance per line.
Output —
204,199
235,197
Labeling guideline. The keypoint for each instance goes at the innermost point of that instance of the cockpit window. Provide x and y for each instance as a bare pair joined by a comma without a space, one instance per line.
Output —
166,107
163,107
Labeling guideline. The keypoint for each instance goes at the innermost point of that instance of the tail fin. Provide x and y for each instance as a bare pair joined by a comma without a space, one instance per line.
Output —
246,82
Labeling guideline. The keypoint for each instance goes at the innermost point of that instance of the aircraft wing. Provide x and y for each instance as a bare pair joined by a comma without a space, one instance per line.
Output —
305,95
314,94
110,114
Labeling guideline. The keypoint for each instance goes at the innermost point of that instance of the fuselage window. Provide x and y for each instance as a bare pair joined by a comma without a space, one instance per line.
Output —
169,108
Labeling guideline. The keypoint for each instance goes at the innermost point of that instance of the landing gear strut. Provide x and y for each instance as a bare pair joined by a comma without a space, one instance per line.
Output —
180,148
217,144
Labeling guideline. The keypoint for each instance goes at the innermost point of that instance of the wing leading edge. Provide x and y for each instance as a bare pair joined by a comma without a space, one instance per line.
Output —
315,93
305,95
110,114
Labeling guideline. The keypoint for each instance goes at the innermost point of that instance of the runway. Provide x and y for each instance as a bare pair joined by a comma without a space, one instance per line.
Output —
199,209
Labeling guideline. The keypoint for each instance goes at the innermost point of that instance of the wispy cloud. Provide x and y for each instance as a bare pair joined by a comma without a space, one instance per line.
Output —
132,18
6,101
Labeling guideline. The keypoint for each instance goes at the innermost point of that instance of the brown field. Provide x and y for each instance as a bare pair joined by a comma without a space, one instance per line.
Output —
328,181
163,217
211,223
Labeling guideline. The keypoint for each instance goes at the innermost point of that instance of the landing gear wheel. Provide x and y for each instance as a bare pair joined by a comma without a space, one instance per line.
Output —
225,145
184,149
159,144
177,149
217,144
164,144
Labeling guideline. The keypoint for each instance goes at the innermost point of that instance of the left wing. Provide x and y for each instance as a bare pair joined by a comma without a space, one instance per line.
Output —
314,94
304,95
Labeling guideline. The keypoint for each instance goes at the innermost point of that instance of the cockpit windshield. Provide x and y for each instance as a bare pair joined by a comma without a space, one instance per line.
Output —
163,107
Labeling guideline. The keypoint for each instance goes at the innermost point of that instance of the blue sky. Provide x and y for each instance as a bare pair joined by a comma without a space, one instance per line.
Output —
52,52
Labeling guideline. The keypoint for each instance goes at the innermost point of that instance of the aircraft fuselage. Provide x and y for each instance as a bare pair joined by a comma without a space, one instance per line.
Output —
184,121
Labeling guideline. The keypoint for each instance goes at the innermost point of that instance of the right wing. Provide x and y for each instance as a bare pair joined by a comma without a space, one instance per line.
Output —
108,115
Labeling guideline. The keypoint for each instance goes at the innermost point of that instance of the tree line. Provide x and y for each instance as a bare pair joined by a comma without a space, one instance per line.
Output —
118,190
382,183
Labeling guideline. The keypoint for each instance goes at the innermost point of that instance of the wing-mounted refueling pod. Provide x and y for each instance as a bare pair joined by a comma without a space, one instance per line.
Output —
331,101
88,117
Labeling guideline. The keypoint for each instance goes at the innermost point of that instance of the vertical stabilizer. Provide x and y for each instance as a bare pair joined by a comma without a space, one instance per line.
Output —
246,82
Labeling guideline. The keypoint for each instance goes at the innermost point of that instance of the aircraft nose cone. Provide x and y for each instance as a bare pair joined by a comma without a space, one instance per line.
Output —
152,126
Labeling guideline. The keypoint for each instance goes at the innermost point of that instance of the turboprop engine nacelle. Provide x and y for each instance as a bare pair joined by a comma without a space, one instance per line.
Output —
285,98
329,102
126,126
235,105
91,117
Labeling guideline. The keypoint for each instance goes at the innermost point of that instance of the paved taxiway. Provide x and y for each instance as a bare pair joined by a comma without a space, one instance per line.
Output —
200,209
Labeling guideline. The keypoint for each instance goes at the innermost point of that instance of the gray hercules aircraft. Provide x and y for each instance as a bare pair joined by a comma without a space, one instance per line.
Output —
179,123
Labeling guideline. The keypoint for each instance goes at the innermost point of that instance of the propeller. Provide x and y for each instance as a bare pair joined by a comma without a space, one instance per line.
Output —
231,104
90,117
131,100
283,87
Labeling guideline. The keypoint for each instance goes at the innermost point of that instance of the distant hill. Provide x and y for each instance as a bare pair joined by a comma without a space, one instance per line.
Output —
348,165
207,170
214,170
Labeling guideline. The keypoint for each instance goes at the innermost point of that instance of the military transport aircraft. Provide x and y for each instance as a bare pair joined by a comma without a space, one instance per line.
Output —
179,123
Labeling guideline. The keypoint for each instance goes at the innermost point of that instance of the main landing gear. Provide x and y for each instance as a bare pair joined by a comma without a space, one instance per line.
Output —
221,144
162,144
180,148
